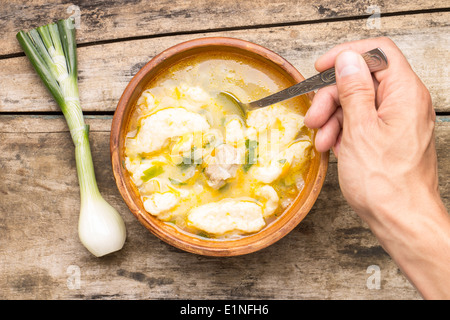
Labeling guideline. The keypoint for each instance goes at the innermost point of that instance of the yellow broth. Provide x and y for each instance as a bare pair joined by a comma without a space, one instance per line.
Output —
199,164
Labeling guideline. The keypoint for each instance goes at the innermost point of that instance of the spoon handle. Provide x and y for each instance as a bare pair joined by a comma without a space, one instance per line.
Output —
376,60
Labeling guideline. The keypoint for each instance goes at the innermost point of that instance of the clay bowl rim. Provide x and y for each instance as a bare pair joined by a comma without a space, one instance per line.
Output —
270,234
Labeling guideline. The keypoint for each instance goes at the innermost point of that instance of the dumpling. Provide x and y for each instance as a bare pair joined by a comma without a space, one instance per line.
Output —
293,156
270,199
158,128
159,203
276,117
227,215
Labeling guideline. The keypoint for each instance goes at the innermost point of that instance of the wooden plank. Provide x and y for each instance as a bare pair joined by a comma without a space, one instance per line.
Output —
106,20
325,257
105,70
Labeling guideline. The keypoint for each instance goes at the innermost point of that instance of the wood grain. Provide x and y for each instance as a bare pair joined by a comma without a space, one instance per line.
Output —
105,70
325,257
112,20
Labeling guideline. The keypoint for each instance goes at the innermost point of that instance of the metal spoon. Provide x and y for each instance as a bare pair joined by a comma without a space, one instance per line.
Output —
376,60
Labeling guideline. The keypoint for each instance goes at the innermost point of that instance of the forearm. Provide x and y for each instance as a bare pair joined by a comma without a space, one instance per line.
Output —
417,237
383,138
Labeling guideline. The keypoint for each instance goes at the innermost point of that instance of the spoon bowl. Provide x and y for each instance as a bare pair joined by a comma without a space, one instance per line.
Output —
243,108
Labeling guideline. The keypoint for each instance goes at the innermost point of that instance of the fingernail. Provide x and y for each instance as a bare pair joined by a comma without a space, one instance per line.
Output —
347,63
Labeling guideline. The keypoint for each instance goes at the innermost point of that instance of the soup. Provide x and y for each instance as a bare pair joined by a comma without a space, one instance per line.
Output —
201,165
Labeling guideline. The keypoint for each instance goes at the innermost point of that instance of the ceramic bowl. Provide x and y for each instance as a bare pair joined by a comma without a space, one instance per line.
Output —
274,231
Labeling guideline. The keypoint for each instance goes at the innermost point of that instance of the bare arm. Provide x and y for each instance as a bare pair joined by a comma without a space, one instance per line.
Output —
381,128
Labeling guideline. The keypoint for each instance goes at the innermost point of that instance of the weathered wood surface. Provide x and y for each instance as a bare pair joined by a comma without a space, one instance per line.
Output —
111,20
423,38
325,257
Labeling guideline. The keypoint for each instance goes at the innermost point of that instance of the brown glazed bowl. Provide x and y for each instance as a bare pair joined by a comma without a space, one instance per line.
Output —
273,231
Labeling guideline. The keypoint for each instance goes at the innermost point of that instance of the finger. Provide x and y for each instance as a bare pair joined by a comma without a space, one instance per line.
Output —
356,90
396,60
323,106
337,145
328,134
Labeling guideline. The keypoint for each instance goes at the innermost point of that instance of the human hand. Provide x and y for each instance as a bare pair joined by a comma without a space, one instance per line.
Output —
381,129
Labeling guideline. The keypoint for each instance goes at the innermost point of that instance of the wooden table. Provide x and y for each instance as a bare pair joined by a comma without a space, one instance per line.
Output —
330,255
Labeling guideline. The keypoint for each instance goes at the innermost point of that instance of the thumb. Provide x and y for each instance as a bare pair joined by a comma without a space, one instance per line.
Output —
355,87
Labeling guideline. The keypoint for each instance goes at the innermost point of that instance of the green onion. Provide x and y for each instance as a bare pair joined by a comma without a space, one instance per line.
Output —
193,160
51,50
250,154
151,173
176,182
202,234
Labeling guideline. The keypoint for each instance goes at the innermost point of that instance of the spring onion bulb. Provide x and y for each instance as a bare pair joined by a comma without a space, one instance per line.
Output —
51,50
